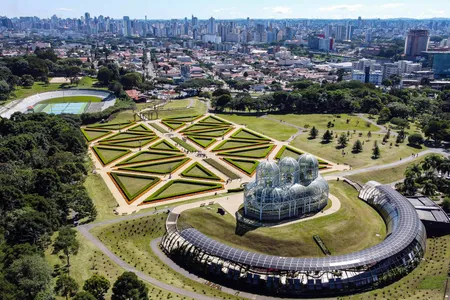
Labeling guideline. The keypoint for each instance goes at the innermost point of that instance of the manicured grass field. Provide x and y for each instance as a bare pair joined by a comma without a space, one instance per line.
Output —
165,146
183,144
363,159
235,144
213,120
224,170
267,127
149,156
320,121
245,134
173,125
72,99
197,170
199,127
163,167
214,132
141,128
247,166
108,155
104,201
174,104
203,142
132,143
133,185
385,175
38,87
91,135
131,241
354,227
112,126
181,187
256,152
125,136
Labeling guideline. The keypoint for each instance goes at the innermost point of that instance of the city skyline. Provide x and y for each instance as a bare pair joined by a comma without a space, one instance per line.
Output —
233,9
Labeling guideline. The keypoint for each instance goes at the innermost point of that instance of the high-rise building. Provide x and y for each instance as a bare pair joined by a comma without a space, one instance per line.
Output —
349,32
328,31
126,26
212,25
359,22
340,32
194,21
87,17
416,42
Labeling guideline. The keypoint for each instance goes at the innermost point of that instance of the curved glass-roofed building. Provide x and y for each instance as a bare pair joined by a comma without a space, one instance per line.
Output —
311,277
290,189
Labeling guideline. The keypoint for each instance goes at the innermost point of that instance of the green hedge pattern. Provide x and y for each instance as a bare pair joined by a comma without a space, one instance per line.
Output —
245,144
158,167
238,163
256,152
158,156
197,166
198,187
113,126
214,120
131,143
245,134
203,142
105,160
164,145
131,196
221,168
184,144
99,134
159,128
141,128
173,125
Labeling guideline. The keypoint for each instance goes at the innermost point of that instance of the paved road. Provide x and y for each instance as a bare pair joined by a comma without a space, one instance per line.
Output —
84,230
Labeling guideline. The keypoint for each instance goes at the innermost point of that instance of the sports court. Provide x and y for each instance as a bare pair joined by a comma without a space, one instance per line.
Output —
62,108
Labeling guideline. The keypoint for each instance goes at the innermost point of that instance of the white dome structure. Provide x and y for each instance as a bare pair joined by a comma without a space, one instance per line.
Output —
290,189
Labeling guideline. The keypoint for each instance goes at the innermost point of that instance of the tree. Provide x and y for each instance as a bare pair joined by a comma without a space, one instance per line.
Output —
131,80
31,274
245,74
313,133
4,90
369,134
84,296
105,75
327,137
128,286
357,147
97,285
415,139
387,82
376,151
66,286
429,188
27,80
67,243
342,140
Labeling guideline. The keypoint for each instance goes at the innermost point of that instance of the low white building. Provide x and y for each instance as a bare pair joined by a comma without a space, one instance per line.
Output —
374,77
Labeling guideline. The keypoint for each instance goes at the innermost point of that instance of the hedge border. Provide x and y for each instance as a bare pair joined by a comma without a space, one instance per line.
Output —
213,176
171,155
103,125
159,128
227,160
102,159
255,143
83,130
222,169
187,118
128,198
137,135
166,142
194,140
182,162
115,144
259,137
269,149
212,127
154,196
225,132
184,144
148,130
169,124
215,118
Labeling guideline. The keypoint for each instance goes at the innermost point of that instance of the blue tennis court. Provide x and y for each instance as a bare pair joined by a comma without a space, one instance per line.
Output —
61,108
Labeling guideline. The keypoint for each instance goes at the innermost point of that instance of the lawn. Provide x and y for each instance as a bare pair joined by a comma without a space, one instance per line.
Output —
108,155
149,156
131,241
385,175
133,185
267,127
246,166
320,121
104,201
181,187
38,87
176,104
427,281
354,227
329,152
235,144
91,135
72,99
256,152
132,143
163,167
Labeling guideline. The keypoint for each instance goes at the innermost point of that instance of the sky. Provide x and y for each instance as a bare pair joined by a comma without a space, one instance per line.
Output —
229,9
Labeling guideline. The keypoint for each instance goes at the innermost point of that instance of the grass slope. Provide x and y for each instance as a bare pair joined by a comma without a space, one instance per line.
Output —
181,187
354,227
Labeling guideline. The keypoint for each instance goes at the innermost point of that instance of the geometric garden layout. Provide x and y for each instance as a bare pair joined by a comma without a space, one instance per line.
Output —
148,162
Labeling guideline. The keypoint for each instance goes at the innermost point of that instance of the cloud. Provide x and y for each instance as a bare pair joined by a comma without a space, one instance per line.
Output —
64,9
282,10
348,7
392,5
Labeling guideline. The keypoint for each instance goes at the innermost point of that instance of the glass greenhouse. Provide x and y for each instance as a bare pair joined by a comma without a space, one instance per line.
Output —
289,189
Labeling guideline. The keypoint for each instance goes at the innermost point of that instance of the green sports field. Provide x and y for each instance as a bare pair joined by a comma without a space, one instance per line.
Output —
72,99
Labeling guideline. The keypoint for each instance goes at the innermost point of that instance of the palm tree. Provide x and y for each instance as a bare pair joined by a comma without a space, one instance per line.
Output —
429,188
